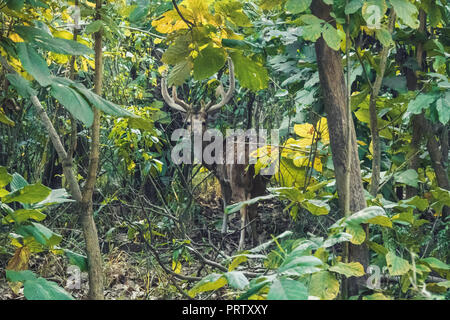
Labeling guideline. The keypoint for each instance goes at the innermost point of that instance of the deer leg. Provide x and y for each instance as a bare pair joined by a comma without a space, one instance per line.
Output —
243,223
253,219
226,198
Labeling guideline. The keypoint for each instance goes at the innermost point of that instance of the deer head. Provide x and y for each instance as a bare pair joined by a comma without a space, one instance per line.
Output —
196,118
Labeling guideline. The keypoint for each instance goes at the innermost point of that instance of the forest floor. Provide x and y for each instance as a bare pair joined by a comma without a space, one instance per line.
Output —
130,274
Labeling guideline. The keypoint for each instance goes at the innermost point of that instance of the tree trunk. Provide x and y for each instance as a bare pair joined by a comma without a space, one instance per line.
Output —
87,213
334,94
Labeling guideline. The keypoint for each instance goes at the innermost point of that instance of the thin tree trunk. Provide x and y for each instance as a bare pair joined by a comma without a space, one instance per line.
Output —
334,94
87,219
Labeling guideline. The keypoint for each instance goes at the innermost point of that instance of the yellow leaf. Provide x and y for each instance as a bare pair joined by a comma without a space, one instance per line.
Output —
20,259
305,130
63,34
15,37
176,266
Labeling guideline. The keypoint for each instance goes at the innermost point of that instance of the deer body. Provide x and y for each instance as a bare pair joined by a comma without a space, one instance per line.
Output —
237,179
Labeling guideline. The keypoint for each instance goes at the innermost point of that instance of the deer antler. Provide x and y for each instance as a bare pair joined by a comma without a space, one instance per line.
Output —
173,102
226,97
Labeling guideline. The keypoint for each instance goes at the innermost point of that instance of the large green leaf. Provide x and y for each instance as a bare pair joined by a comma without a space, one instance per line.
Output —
22,215
29,194
421,102
41,289
287,289
331,37
178,51
435,263
33,63
77,259
397,266
324,285
409,177
407,12
316,207
5,177
250,74
20,276
353,6
209,60
95,100
373,12
22,85
56,196
47,42
297,6
17,182
180,72
443,108
236,280
42,234
73,102
351,269
211,282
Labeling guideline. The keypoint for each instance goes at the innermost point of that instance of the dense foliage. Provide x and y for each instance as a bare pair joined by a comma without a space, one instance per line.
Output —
81,89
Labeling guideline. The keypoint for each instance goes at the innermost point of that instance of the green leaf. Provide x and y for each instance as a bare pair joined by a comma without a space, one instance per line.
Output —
407,12
41,289
251,75
416,201
17,182
29,194
211,282
331,37
364,215
357,232
15,5
435,263
443,108
381,221
77,259
20,276
5,177
5,119
312,32
352,269
33,63
73,102
95,100
287,289
177,52
376,296
324,285
56,196
421,102
409,177
22,85
373,12
353,6
396,265
209,60
42,234
180,73
47,42
22,215
236,280
316,207
297,6
384,36
94,26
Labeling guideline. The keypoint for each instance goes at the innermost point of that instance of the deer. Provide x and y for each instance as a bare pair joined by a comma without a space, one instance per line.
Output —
237,180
